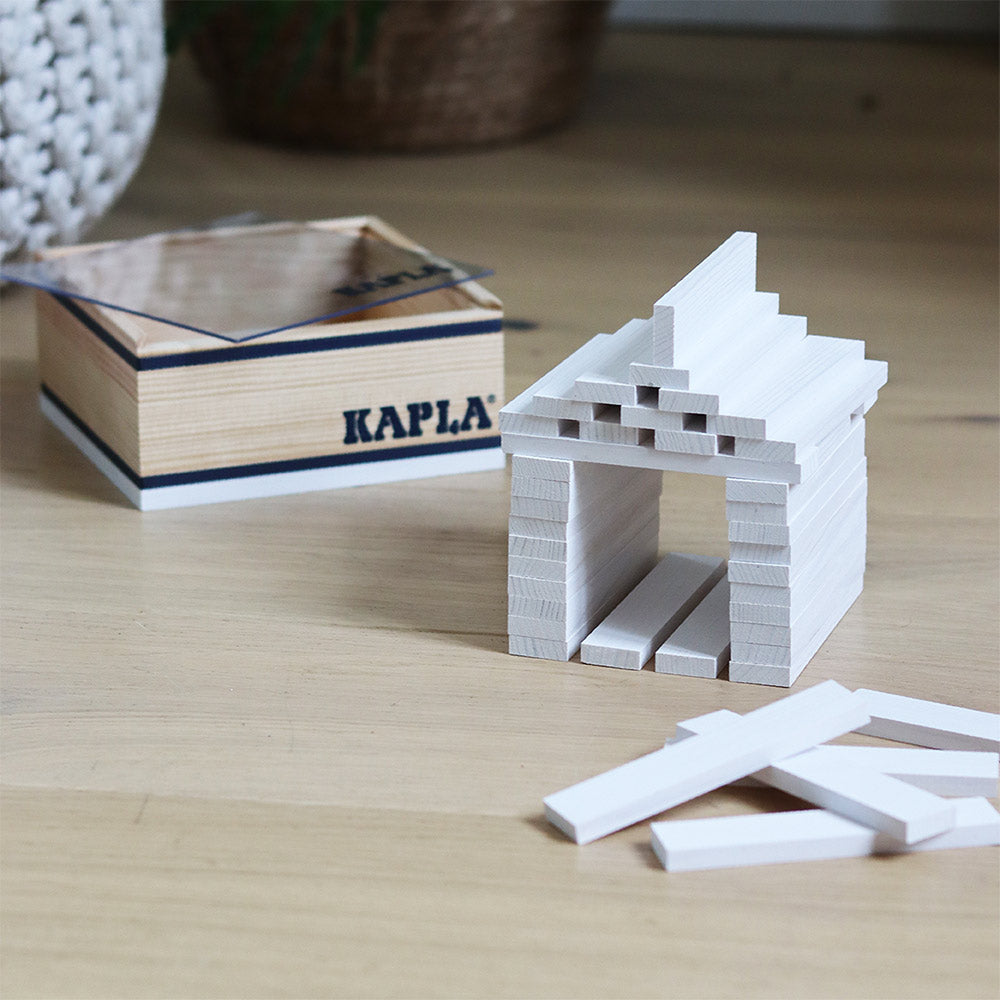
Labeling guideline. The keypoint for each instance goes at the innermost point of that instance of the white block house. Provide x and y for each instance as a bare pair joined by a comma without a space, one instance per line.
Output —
717,381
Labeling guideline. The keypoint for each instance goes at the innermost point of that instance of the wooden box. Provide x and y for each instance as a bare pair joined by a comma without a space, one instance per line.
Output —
405,389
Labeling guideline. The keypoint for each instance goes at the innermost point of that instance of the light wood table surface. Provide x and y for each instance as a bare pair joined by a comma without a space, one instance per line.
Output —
277,748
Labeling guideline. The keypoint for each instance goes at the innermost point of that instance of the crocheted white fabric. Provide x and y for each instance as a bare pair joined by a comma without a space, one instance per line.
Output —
80,85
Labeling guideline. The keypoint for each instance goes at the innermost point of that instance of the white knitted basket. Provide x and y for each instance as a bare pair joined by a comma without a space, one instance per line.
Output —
80,85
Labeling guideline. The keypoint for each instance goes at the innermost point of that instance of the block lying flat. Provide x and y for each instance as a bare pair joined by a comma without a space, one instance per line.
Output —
805,835
654,608
930,724
700,646
682,771
877,800
943,772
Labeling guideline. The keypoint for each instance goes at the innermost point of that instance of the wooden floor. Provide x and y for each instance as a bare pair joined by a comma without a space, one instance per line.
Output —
277,748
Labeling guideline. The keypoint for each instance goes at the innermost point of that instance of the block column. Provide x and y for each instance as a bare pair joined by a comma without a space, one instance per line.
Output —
581,536
796,559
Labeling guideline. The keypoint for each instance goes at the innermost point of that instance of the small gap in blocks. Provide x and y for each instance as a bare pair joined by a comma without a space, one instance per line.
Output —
695,422
609,414
647,438
725,445
647,395
569,428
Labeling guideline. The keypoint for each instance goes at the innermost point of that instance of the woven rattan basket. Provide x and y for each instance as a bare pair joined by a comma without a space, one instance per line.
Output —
439,74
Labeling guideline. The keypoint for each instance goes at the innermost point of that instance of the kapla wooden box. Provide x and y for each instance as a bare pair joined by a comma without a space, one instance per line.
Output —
407,387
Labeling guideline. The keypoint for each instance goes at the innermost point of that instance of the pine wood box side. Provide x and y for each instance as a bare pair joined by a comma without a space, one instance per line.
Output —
406,389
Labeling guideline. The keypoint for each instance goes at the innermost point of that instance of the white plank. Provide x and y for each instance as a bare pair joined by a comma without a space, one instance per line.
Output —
702,298
686,442
943,772
700,645
609,432
542,468
540,489
653,609
651,784
869,797
771,383
804,835
930,723
638,456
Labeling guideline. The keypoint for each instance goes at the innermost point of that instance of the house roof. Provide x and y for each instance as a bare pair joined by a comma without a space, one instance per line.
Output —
716,381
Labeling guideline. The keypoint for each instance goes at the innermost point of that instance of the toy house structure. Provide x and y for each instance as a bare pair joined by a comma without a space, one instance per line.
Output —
717,382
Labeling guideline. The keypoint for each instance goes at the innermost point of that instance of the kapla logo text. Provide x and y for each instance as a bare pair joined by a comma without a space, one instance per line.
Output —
362,426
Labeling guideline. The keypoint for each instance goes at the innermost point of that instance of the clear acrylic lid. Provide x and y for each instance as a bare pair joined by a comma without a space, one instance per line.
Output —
238,284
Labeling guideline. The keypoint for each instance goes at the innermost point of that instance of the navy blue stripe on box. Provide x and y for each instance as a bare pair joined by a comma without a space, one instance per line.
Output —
267,468
245,352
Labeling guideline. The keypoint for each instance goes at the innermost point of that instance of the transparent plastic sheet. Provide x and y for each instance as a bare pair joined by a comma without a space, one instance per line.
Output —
240,284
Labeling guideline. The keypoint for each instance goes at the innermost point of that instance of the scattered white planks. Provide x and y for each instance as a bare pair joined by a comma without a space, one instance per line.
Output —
876,799
682,771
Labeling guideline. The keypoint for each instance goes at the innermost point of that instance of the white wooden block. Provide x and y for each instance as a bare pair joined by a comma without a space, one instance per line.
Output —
540,489
885,803
814,411
610,432
769,385
541,468
943,772
682,771
761,336
804,835
708,723
643,374
687,442
929,723
544,405
528,423
638,456
651,419
702,297
686,401
654,608
537,548
542,649
538,527
700,645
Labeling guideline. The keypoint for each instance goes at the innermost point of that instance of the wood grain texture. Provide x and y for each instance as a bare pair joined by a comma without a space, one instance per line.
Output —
278,747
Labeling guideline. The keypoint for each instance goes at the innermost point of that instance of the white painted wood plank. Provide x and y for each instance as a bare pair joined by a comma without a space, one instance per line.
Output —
885,803
768,386
804,835
638,456
930,723
653,609
700,645
943,772
703,297
558,469
651,784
